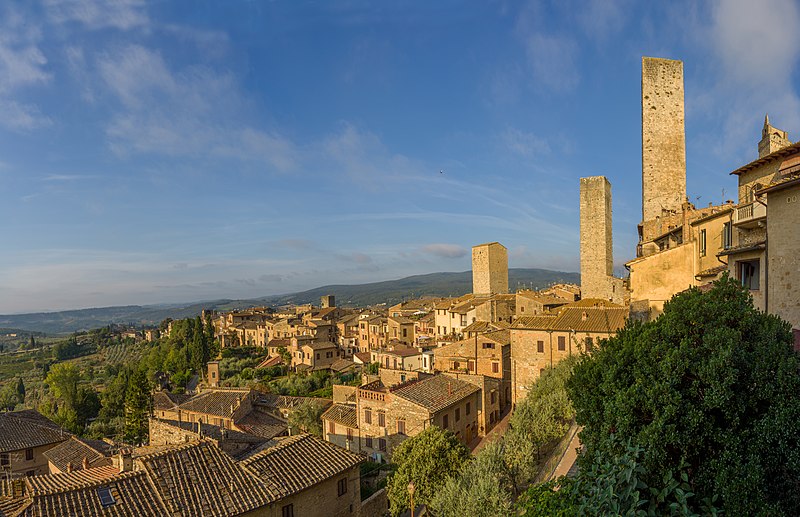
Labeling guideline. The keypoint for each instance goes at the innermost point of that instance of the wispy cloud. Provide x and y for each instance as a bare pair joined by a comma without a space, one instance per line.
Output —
524,143
99,14
553,60
445,250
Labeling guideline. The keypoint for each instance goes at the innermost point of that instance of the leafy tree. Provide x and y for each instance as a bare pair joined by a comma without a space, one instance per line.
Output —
711,390
138,402
481,489
306,417
8,398
428,459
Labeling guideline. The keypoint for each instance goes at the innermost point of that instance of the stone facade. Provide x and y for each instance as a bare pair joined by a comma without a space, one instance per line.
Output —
489,269
772,139
663,138
597,259
783,221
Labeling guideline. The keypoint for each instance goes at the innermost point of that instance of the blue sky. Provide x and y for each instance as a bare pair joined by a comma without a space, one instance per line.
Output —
177,151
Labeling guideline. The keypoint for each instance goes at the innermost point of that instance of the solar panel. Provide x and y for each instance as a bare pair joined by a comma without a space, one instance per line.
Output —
106,499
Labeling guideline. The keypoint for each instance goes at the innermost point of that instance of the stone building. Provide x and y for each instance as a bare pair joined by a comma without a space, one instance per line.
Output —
453,315
78,454
489,269
597,256
25,437
532,303
540,342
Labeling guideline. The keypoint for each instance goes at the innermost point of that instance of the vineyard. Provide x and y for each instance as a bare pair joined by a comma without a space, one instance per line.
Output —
120,352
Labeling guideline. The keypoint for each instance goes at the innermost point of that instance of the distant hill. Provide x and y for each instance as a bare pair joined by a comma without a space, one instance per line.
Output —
389,292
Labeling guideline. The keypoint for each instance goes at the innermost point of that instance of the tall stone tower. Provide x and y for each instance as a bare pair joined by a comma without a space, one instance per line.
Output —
597,261
213,374
772,139
489,269
327,300
663,138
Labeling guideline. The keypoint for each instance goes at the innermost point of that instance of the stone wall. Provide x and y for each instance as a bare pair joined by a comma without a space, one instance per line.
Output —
783,220
658,277
489,269
376,505
663,138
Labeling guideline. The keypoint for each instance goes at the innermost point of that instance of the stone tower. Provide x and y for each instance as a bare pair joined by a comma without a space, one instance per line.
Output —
213,374
327,300
597,262
489,269
663,138
772,139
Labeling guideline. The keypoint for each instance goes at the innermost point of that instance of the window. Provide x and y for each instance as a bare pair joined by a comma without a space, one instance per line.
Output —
488,345
349,435
341,487
445,422
106,497
331,427
456,365
287,511
381,444
493,397
470,366
469,407
405,332
381,419
317,355
458,414
522,309
495,367
562,343
368,442
540,347
28,454
748,274
368,416
702,243
4,459
727,236
401,427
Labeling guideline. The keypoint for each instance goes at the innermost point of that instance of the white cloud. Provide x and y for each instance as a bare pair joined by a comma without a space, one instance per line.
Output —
99,14
445,250
552,60
188,112
524,143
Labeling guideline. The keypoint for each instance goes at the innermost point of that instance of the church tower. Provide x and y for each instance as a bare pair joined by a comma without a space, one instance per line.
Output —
772,139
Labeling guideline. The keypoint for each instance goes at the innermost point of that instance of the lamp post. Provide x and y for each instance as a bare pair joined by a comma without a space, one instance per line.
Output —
411,496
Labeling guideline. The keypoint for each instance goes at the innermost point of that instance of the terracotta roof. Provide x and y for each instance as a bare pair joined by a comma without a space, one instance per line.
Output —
296,463
198,479
75,450
341,365
270,361
27,429
498,336
742,248
364,357
215,402
785,182
213,431
279,342
713,271
344,414
591,319
165,401
286,401
544,299
79,494
792,149
406,351
261,424
534,322
402,320
479,326
437,392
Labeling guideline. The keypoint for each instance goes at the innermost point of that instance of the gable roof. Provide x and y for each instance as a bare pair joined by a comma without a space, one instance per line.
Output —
165,401
437,392
74,450
198,479
343,414
298,462
27,429
217,402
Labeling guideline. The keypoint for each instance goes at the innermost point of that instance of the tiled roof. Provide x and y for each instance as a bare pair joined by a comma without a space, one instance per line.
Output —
261,424
544,299
364,357
406,351
344,414
498,336
165,401
713,271
213,431
791,149
78,494
75,450
437,392
270,361
402,320
215,402
273,400
198,479
341,365
26,429
534,322
316,345
481,327
298,462
591,319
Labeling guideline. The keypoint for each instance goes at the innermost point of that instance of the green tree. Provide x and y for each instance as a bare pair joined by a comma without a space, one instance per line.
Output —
138,400
481,489
428,460
20,391
306,417
8,398
709,389
32,344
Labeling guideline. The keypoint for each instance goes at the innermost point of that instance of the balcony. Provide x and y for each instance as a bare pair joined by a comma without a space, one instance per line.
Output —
749,215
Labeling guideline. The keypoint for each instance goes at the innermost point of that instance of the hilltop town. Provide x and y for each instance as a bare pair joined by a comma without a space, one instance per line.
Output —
301,410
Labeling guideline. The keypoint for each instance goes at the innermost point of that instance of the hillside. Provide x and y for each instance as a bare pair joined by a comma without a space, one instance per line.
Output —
389,292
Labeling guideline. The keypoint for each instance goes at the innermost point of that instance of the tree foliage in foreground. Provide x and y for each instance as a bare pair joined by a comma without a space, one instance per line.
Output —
427,459
710,391
306,417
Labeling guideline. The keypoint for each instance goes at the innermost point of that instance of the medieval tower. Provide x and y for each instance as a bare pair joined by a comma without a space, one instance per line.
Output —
489,269
597,259
663,140
772,139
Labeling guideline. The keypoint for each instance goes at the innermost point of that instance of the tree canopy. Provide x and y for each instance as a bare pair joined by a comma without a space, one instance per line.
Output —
709,391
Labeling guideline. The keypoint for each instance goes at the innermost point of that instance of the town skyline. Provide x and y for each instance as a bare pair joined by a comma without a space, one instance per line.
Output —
271,149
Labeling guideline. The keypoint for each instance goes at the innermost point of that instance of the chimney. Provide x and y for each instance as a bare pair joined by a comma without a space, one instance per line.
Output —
449,388
584,316
69,467
85,463
125,460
